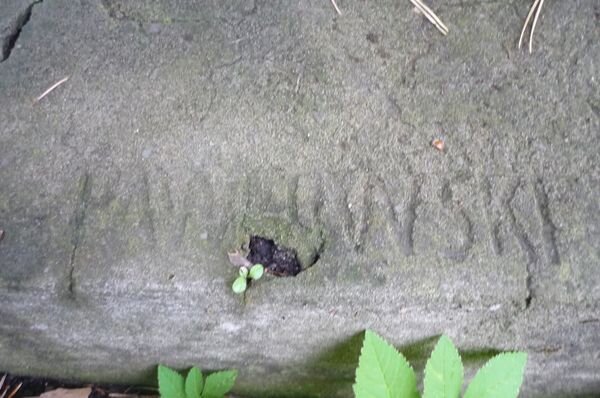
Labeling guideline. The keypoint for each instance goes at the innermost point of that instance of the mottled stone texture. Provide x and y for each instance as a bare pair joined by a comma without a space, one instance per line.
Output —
187,126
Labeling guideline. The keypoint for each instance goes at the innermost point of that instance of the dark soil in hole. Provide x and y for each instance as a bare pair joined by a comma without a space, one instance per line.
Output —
278,260
35,386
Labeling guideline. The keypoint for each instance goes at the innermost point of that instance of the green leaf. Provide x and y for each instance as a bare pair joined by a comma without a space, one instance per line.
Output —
244,272
218,384
443,372
256,272
239,285
170,383
500,377
194,383
383,372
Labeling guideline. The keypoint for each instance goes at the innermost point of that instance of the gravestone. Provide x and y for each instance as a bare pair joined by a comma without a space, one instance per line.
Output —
187,127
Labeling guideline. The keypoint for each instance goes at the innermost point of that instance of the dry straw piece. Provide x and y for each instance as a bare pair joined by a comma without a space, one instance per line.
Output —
535,8
430,15
45,93
336,7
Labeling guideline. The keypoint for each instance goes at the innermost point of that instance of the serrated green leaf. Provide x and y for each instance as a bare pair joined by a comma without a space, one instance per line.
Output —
256,272
443,372
170,383
194,383
500,377
218,384
382,371
239,285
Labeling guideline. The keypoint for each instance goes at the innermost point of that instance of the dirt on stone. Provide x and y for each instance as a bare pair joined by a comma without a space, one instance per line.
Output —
278,260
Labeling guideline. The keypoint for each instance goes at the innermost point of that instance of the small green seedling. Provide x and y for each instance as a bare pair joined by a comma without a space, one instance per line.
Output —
245,275
172,385
384,372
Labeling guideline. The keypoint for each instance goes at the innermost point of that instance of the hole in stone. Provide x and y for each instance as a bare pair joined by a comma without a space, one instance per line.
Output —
277,260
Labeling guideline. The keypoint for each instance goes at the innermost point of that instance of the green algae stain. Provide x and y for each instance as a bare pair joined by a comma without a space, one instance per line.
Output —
565,272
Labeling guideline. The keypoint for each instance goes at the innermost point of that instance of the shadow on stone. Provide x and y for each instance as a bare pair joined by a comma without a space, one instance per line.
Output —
478,357
329,374
336,368
419,352
344,355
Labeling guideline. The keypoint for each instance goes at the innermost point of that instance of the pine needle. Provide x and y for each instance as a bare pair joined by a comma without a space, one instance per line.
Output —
15,390
535,8
336,7
45,93
430,15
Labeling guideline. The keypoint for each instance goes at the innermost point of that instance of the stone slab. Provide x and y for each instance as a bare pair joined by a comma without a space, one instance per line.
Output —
184,128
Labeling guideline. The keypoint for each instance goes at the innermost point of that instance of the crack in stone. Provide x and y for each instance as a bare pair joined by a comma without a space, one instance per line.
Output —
9,40
85,189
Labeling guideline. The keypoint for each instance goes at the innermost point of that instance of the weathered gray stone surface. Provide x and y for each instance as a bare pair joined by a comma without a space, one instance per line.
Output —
185,126
15,14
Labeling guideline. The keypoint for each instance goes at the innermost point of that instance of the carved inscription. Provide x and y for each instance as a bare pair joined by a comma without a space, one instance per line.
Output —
449,217
520,212
548,227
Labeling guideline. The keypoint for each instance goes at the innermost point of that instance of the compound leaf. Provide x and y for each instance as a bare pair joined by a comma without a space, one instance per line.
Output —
218,384
500,377
170,383
443,372
382,371
194,383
